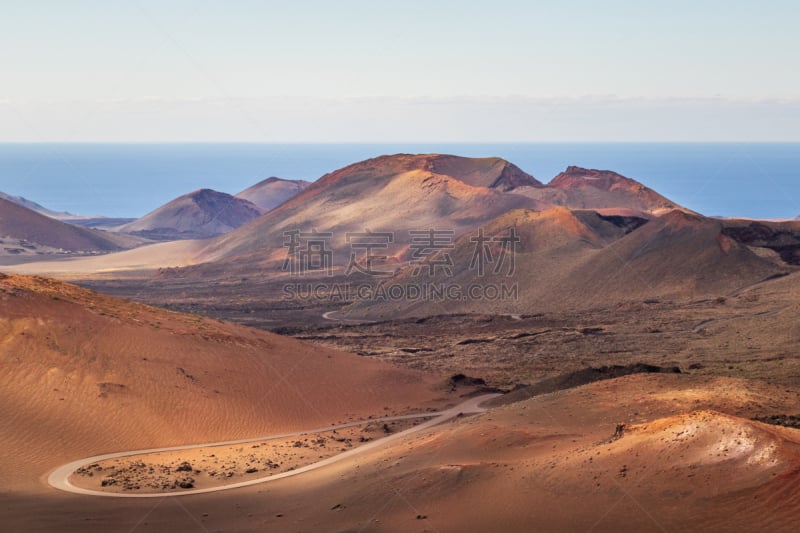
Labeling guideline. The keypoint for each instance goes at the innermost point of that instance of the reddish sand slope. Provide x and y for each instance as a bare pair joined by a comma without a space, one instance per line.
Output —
688,459
84,373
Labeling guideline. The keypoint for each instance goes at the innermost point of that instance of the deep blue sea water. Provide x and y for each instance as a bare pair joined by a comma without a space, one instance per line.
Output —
129,180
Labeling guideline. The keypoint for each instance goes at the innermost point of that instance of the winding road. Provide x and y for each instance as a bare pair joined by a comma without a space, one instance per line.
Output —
330,316
59,478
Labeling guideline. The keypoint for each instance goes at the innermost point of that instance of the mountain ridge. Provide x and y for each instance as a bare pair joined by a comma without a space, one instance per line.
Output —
200,214
272,192
31,228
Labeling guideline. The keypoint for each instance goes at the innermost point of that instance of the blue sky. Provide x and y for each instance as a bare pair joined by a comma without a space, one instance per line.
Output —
399,71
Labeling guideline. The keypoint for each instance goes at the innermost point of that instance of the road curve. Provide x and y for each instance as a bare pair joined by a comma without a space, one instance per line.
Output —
330,316
59,478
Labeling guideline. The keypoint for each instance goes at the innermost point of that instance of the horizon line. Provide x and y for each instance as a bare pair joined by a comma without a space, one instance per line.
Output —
379,143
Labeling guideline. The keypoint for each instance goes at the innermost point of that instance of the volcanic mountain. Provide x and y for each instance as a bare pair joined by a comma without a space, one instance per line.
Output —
568,259
581,188
618,240
26,232
90,221
198,215
33,206
781,238
272,192
389,194
81,372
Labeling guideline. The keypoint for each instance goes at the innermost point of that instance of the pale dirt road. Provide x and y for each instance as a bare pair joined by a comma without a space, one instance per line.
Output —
331,315
59,478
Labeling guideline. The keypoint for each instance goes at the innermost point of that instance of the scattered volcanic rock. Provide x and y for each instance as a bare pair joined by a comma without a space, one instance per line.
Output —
783,238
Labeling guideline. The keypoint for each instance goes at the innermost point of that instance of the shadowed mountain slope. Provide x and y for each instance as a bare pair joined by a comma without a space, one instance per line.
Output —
28,228
198,215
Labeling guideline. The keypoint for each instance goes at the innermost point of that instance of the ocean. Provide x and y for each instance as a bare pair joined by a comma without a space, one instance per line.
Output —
129,180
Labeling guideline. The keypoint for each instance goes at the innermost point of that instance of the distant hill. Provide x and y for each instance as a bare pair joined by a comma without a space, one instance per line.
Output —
404,192
25,231
33,206
614,240
579,259
581,188
105,223
198,215
393,194
90,221
272,192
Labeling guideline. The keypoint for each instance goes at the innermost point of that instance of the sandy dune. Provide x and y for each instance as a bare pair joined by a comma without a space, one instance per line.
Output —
83,373
689,458
552,463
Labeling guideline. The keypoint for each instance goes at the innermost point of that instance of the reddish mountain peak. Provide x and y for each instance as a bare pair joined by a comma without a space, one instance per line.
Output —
209,199
681,218
591,188
275,179
491,172
272,192
206,194
488,172
199,214
578,177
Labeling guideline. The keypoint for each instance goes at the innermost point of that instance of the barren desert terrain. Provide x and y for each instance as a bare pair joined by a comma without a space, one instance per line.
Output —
644,377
